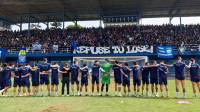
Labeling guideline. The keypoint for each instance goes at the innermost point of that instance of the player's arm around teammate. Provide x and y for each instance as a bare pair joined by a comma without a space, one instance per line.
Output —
179,67
65,71
117,78
145,78
163,71
125,71
17,81
35,76
6,79
194,76
54,79
84,79
44,76
136,79
75,76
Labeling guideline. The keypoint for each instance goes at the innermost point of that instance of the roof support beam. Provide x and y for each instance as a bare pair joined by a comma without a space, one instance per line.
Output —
174,11
46,23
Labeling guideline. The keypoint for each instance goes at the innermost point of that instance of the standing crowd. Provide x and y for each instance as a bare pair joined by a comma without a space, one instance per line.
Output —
108,36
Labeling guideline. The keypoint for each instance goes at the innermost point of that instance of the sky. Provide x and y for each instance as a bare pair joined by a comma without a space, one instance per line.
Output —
145,21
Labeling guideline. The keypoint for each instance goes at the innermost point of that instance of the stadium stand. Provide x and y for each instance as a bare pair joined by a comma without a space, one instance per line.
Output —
109,36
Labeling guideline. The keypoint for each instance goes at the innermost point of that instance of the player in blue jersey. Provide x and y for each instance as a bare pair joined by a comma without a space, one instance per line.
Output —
194,76
163,70
17,80
75,77
65,71
35,76
44,76
136,78
154,78
117,78
7,72
25,73
126,78
179,67
84,79
54,79
95,73
145,78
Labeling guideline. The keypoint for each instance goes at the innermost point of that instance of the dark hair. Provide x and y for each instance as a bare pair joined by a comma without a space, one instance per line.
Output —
126,64
45,59
54,63
107,60
116,62
134,63
179,57
95,61
192,59
146,63
65,64
84,65
19,65
4,65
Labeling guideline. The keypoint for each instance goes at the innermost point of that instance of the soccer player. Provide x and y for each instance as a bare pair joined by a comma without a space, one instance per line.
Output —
145,78
35,76
179,67
117,78
105,75
75,77
54,79
136,79
65,71
25,73
126,78
194,76
7,72
44,76
163,70
84,79
17,80
95,76
154,78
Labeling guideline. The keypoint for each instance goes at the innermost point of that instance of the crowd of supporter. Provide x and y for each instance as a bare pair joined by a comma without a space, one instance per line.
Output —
109,36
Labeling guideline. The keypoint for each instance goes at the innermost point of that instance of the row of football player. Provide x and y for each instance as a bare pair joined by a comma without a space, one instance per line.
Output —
157,73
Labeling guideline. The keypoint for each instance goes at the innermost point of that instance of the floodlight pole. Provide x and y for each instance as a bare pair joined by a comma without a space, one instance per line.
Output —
170,20
20,26
47,25
180,22
100,23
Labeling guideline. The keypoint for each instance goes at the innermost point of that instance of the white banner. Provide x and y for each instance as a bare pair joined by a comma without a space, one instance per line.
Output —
114,50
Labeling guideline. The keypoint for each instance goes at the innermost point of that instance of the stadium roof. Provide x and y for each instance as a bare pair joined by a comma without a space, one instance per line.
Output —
16,11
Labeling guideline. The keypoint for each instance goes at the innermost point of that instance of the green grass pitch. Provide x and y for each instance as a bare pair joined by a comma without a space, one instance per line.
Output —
101,104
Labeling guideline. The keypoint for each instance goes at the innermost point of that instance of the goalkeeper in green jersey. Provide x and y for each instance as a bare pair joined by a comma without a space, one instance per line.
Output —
105,75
